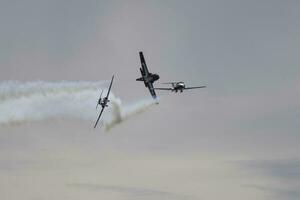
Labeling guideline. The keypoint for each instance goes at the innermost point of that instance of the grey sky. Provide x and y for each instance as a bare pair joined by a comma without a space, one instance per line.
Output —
245,51
285,174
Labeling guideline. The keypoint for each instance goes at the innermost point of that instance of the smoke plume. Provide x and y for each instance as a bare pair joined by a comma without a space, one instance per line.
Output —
37,101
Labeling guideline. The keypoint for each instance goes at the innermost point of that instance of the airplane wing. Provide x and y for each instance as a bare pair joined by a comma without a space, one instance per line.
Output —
163,88
112,79
151,89
143,63
169,83
99,117
188,88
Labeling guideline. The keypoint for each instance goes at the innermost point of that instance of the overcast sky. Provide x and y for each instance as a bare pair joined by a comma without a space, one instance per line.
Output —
239,137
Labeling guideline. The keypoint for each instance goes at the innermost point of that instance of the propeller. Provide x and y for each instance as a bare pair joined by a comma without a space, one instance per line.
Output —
99,100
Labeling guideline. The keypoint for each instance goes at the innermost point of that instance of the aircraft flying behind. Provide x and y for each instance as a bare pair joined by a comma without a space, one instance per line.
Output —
103,102
178,86
147,77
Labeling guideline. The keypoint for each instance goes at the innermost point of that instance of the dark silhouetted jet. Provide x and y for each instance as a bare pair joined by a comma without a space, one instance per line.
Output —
147,77
103,102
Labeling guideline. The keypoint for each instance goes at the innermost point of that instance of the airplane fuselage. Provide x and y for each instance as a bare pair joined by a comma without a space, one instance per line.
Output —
103,102
151,78
180,86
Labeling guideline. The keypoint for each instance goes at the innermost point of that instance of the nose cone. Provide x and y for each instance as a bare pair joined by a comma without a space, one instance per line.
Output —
156,76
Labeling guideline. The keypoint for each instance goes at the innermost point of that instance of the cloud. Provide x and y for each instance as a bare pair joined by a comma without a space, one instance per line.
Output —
283,177
134,192
37,101
278,193
284,169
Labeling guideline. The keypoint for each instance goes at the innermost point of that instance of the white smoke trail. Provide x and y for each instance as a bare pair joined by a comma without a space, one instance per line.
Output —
36,101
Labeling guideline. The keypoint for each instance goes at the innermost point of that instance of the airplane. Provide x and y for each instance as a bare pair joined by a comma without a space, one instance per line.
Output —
178,86
103,102
147,77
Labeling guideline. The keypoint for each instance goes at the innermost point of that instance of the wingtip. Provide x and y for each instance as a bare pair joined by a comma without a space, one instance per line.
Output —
156,99
95,126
